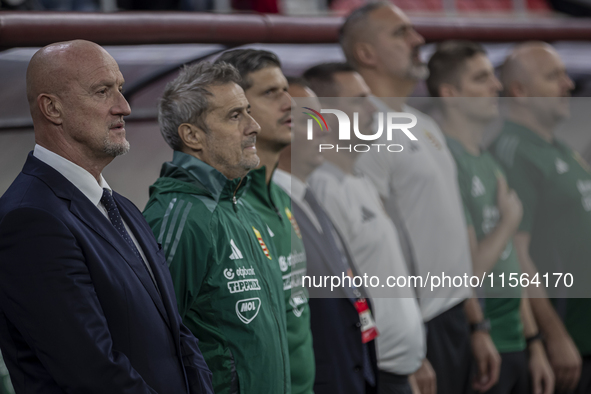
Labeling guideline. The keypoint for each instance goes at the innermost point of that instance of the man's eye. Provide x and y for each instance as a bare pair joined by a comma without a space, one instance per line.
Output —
400,32
102,91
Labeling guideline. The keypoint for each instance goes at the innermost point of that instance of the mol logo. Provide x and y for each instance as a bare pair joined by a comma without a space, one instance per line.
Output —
345,129
248,309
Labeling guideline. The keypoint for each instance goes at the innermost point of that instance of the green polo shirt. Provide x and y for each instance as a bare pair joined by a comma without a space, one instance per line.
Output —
477,179
554,185
274,206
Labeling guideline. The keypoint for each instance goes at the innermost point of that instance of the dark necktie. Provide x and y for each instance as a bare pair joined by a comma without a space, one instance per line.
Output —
327,229
115,218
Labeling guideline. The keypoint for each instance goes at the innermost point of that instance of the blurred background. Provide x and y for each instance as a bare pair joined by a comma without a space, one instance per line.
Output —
151,39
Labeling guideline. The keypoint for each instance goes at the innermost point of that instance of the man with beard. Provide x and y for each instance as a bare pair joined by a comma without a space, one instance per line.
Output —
220,255
354,205
265,88
548,175
420,190
87,304
345,357
463,79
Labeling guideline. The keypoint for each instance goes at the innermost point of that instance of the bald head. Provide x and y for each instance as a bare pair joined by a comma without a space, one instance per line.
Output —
75,96
536,78
358,27
53,68
534,69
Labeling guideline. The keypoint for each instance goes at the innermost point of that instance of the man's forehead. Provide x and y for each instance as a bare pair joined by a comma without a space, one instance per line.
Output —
477,63
543,60
350,84
296,90
226,97
388,17
103,69
267,76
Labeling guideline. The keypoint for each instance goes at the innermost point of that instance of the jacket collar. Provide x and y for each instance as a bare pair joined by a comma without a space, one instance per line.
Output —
190,169
259,187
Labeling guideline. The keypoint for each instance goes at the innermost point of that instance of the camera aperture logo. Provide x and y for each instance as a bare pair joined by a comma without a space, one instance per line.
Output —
345,129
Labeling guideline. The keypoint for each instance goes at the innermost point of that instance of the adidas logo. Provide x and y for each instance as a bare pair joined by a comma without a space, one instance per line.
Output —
561,166
236,253
477,187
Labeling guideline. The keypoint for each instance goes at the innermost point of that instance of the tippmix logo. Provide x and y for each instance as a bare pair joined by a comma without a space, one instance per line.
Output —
345,129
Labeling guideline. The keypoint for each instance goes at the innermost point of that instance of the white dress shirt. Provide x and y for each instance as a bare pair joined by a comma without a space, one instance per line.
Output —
296,189
355,208
87,184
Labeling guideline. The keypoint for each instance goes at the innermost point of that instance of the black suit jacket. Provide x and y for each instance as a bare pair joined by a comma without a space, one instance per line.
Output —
335,321
79,311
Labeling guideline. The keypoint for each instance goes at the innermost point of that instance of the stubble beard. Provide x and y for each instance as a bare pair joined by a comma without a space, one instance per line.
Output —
418,72
114,149
249,163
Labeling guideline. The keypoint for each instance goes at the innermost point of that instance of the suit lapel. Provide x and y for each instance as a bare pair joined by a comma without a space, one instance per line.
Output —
320,240
84,210
142,233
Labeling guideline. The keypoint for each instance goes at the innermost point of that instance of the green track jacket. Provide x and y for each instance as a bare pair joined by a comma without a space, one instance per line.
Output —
274,206
223,267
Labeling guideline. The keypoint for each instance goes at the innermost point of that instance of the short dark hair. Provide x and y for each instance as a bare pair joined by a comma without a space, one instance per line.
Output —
247,61
297,81
349,31
447,62
320,78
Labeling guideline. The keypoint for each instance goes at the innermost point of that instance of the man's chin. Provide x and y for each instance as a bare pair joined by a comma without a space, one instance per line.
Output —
116,149
251,163
418,72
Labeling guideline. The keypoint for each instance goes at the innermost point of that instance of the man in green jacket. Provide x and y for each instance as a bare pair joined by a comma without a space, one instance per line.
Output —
265,87
219,251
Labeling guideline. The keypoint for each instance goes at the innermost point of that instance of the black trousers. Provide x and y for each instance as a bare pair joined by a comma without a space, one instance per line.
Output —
390,383
449,351
514,376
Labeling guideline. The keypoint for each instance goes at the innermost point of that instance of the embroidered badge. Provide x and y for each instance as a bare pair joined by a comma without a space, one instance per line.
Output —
294,223
262,243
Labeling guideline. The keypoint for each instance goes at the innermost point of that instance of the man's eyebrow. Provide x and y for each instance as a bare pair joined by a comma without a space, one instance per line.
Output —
108,83
401,28
238,108
482,73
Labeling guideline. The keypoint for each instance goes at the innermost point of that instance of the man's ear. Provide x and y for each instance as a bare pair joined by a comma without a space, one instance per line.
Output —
516,89
50,107
192,136
448,90
365,54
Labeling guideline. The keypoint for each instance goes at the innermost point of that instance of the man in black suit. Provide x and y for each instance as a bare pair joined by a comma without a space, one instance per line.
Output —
86,300
344,363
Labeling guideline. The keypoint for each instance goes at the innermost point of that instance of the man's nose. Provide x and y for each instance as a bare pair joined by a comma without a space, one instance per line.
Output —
416,38
253,127
121,107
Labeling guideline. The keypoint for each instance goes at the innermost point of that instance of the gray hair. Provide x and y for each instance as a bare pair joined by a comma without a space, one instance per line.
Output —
185,100
248,61
352,28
